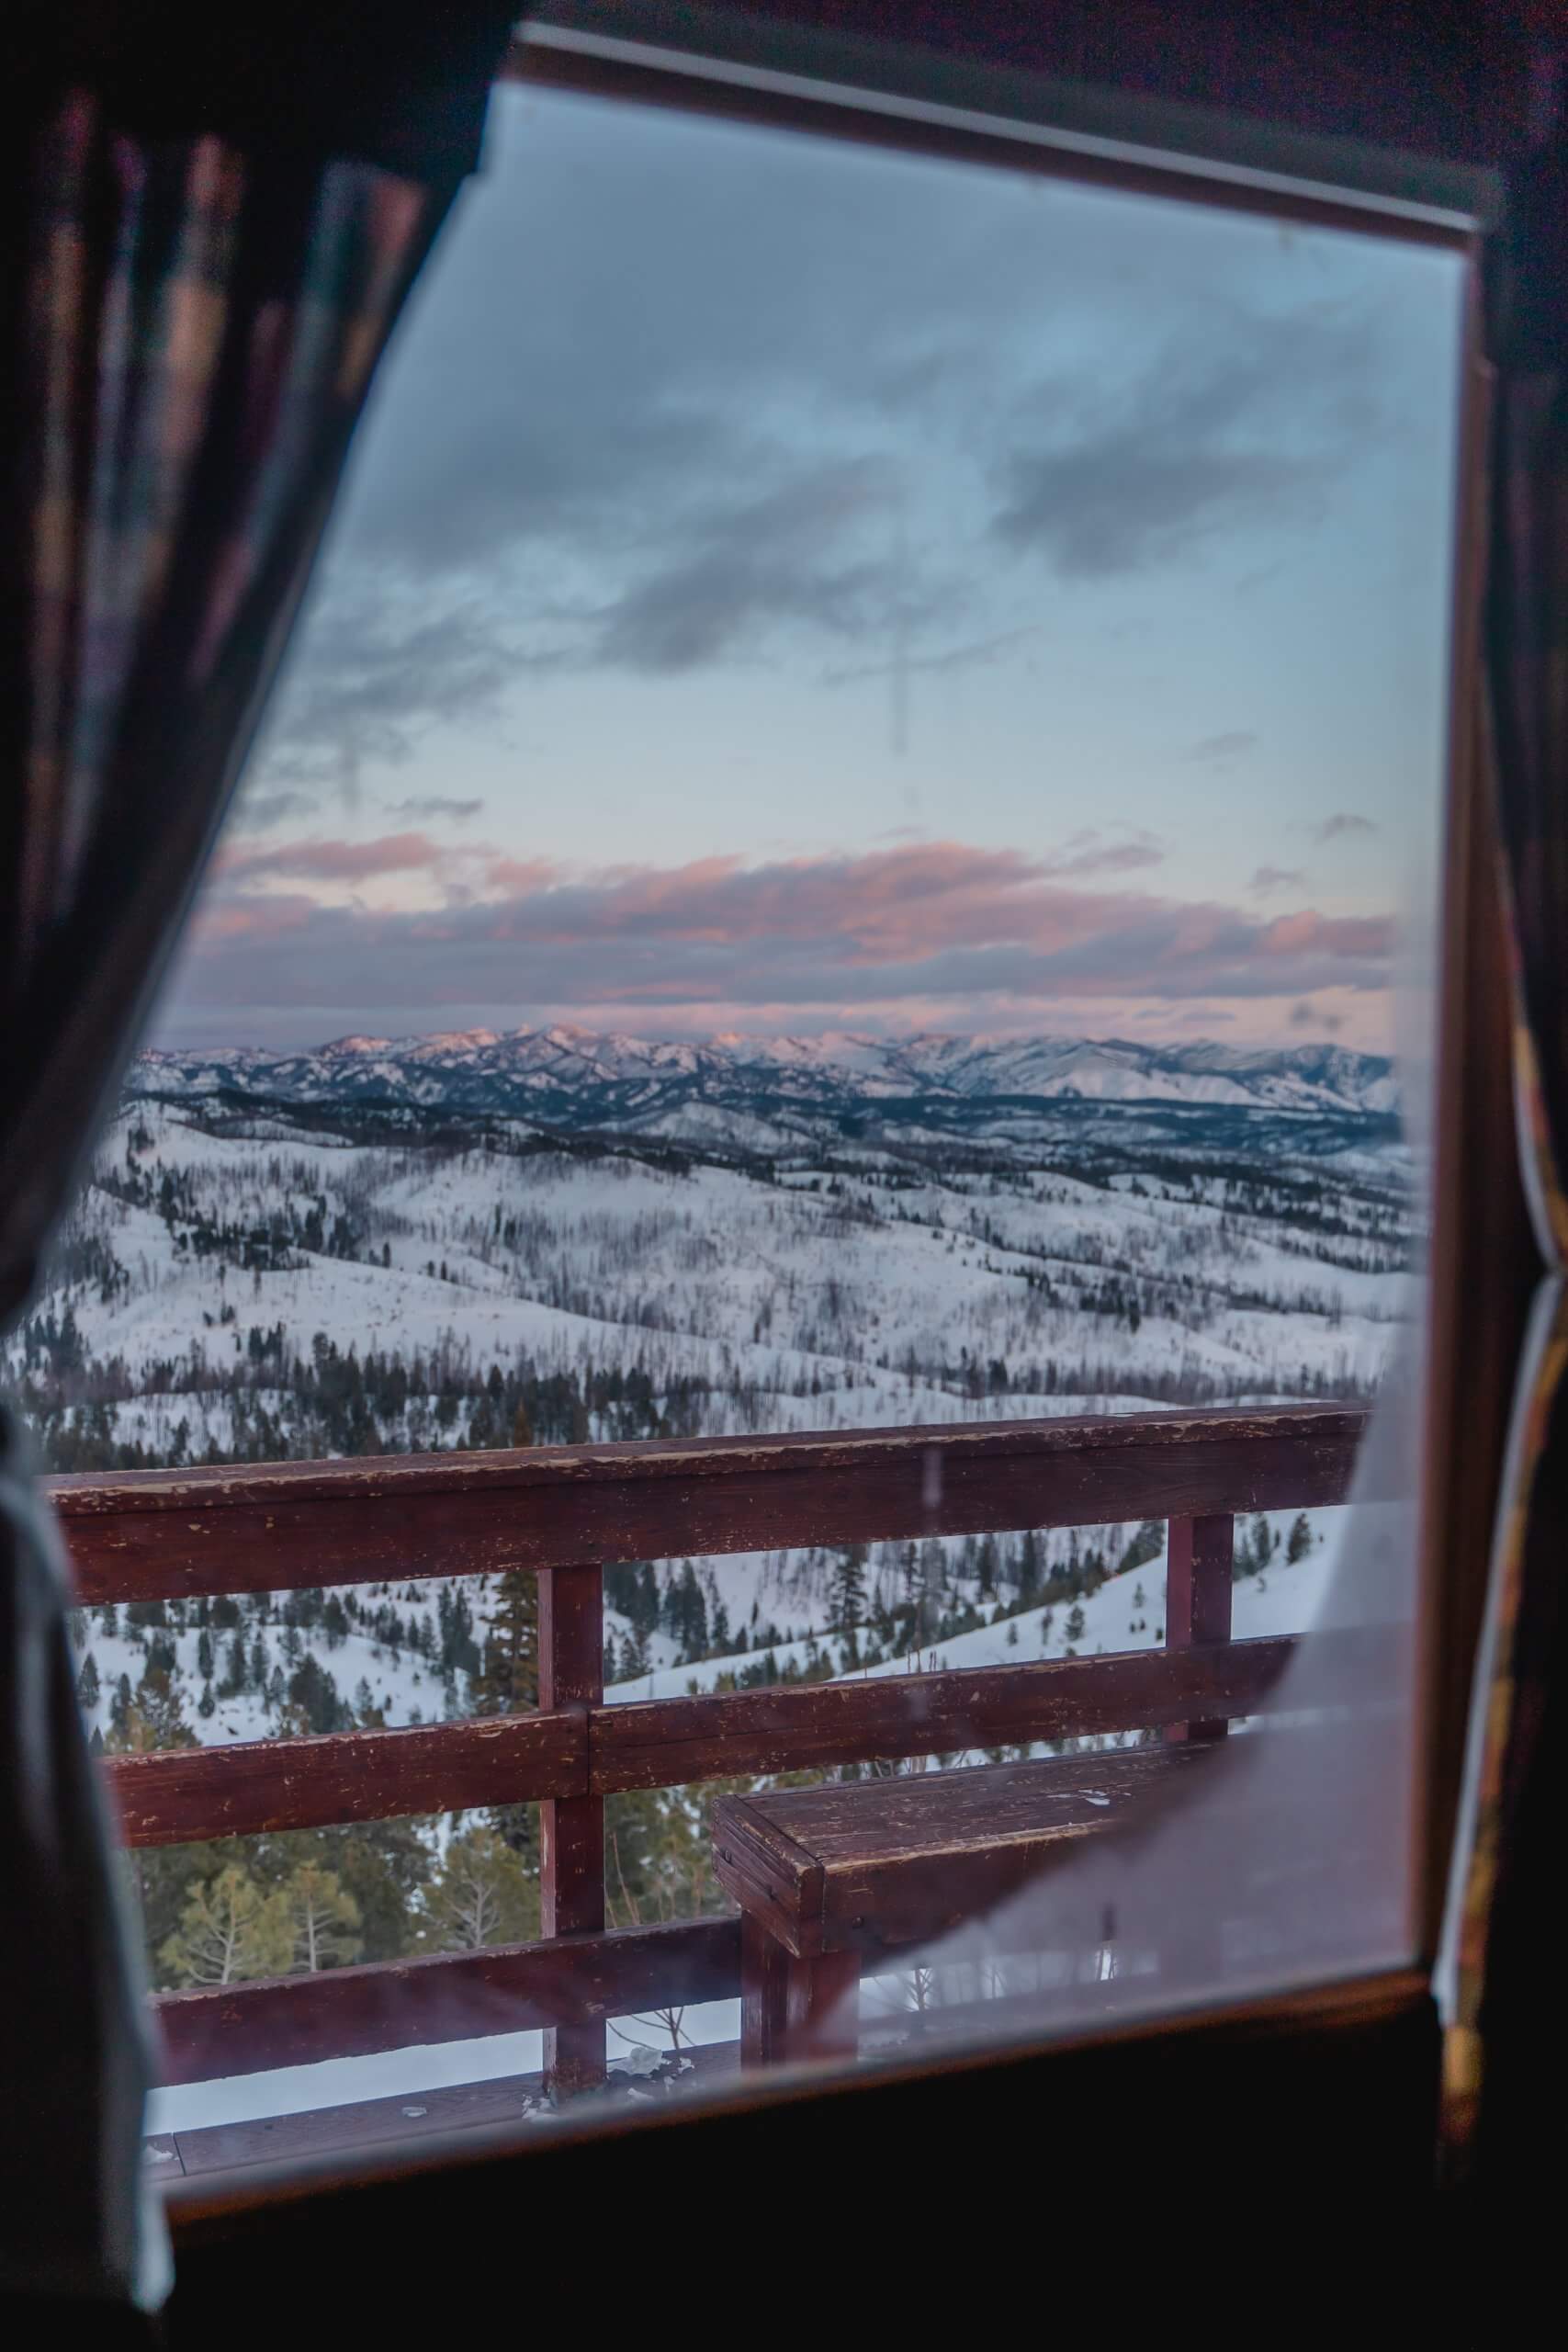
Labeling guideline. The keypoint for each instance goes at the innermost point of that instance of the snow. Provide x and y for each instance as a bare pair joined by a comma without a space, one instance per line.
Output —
396,2074
1287,1598
1100,1254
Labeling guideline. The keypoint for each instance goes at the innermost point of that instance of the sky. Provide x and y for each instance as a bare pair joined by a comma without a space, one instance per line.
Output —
784,587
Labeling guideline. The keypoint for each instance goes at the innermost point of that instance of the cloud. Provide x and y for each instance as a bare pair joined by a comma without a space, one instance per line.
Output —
929,922
744,408
1276,877
1333,828
427,810
792,556
1251,423
1211,750
1307,1016
1089,853
334,861
387,657
374,672
257,812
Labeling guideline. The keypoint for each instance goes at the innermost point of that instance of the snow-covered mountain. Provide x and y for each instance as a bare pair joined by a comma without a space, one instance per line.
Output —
757,1092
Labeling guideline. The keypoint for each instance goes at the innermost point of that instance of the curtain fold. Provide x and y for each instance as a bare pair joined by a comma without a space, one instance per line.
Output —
193,307
1500,1971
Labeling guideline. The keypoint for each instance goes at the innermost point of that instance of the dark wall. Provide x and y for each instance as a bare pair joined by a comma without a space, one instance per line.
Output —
1444,78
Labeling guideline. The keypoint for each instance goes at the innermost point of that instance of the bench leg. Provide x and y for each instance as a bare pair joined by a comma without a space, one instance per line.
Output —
794,2008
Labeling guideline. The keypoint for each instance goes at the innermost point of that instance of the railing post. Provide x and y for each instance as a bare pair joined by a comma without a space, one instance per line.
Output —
1200,1556
572,1829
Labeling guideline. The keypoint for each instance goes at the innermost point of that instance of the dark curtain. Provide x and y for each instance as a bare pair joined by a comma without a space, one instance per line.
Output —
1506,2041
212,220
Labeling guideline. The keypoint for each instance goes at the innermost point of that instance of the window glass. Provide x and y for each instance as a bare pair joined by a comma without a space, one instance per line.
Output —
849,843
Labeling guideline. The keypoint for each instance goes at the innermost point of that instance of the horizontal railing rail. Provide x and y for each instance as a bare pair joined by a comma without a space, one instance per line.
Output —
161,1534
576,1981
180,1795
177,1796
564,1512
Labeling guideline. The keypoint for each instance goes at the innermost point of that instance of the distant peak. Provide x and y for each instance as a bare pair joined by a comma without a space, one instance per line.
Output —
458,1040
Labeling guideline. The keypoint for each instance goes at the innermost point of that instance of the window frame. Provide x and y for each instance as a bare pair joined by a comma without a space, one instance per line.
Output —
1481,1257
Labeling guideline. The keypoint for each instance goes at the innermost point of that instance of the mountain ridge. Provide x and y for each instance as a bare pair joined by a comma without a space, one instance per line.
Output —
609,1080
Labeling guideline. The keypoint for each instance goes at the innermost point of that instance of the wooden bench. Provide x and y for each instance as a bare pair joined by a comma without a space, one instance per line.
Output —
830,1878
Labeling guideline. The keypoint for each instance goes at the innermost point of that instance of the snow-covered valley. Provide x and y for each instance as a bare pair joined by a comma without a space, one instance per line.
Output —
281,1260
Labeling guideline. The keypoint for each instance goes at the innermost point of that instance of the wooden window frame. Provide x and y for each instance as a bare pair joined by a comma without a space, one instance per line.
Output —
1378,2032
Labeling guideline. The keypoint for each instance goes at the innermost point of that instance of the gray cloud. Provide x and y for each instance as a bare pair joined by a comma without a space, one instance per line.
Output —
685,429
1334,828
1215,751
791,556
435,805
1250,426
1092,853
372,673
1268,879
257,812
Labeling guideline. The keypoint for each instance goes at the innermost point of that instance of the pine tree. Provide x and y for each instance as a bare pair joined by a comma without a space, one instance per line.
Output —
659,1855
480,1894
507,1684
1146,1544
87,1684
312,1703
155,1717
1299,1543
229,1930
986,1567
323,1918
508,1680
849,1586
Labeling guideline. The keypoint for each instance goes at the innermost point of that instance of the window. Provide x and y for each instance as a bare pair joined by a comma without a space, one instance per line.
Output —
851,848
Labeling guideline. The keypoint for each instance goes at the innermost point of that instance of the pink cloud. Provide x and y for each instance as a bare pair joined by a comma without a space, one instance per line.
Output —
1349,936
992,934
881,907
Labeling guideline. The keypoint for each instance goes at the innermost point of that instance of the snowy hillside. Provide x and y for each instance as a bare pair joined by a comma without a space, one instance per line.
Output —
370,1250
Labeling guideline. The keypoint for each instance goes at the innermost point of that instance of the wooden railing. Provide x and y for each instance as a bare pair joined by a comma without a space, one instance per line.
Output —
565,1513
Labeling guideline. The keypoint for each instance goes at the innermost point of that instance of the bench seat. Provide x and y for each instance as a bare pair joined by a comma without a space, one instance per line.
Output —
829,1877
